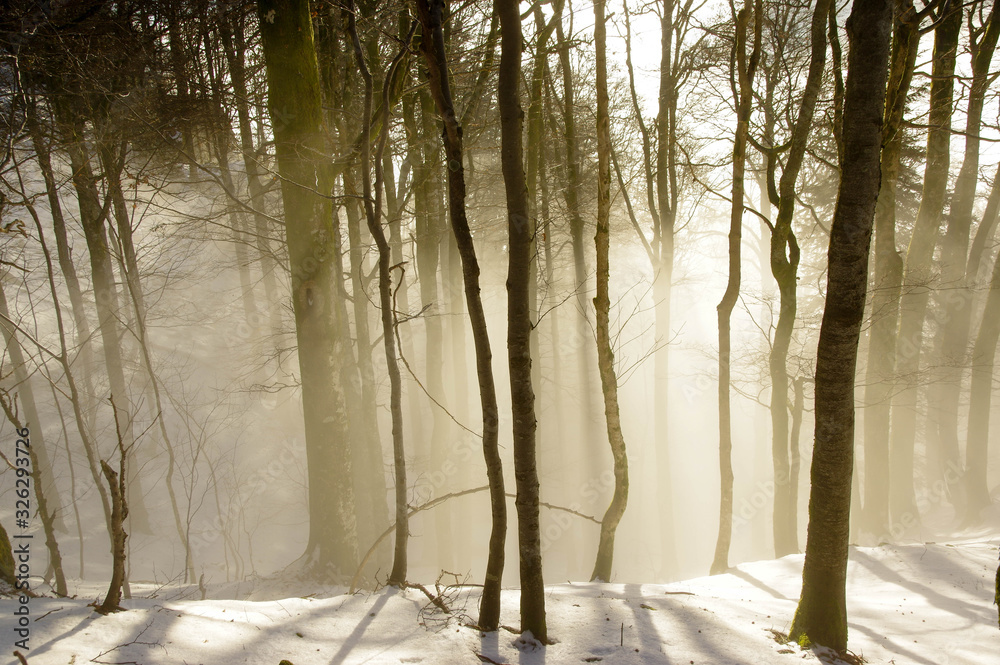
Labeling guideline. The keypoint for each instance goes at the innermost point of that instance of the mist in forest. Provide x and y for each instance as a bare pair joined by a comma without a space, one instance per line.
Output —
150,254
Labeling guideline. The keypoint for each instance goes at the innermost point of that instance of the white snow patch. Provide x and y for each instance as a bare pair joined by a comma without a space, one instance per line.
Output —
915,604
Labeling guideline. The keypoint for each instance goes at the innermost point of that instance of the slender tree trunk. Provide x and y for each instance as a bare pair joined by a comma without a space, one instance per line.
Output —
431,18
519,324
119,511
821,617
957,316
294,101
784,267
795,460
602,304
234,43
981,396
746,70
880,371
37,449
93,217
373,213
573,194
112,166
918,269
65,254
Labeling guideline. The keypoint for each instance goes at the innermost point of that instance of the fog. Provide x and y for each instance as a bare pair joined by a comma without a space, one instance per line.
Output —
223,459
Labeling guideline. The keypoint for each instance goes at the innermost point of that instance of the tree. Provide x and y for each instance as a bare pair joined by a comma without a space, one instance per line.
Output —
519,324
431,16
746,69
295,109
918,268
602,304
953,336
821,617
373,213
888,275
784,266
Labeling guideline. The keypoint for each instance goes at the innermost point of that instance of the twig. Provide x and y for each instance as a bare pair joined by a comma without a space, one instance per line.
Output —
434,599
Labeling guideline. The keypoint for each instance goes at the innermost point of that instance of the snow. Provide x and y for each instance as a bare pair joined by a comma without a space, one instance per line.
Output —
918,604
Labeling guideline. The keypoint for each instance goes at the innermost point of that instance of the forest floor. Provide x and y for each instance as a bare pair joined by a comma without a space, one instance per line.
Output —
918,604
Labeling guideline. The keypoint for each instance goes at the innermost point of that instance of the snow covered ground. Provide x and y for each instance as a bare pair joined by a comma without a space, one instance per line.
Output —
917,604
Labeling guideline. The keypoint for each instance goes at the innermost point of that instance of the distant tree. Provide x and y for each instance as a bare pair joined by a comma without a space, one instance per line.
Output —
888,275
295,106
918,267
821,617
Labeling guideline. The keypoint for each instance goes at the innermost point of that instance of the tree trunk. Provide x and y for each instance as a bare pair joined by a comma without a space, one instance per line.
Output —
602,304
519,323
746,70
881,365
981,395
119,511
93,217
294,103
431,17
65,254
918,269
784,267
41,471
821,617
373,213
234,43
956,319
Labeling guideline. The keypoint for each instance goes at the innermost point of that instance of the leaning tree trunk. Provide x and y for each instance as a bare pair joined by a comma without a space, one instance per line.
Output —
821,617
93,217
294,102
602,304
37,452
746,69
519,323
431,17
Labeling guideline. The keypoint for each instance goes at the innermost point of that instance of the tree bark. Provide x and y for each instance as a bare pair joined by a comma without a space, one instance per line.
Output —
119,511
821,617
602,305
431,17
519,323
918,268
746,69
373,213
956,319
294,104
888,277
784,267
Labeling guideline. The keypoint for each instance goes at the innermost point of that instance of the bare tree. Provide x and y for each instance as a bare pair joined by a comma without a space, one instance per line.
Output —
821,617
519,323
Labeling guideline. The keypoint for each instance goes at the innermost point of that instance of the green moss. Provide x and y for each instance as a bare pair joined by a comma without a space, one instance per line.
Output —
6,558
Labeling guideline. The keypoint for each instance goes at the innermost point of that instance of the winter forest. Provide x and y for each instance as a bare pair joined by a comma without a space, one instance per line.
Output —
552,331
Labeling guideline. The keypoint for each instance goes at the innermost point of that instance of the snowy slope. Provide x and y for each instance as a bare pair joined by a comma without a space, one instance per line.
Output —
911,604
